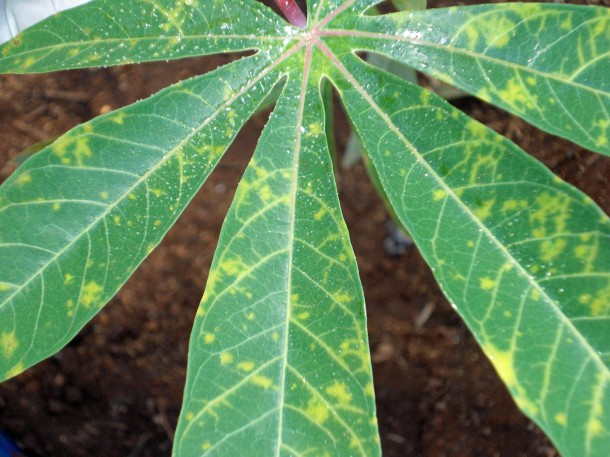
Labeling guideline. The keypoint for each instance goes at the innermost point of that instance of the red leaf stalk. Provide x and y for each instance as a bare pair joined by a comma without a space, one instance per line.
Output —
292,12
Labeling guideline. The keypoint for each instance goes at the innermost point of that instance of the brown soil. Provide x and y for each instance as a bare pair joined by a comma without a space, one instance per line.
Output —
116,389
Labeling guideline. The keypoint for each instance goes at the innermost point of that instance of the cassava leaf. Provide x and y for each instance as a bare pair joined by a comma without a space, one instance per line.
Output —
117,184
278,361
280,334
547,63
524,257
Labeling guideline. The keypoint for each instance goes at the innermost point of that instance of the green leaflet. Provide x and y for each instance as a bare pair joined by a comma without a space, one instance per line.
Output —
278,361
108,32
78,217
524,257
279,343
547,63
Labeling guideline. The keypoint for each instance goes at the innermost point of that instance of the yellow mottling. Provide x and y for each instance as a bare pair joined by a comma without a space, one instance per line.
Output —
68,279
104,195
302,316
73,145
595,427
266,193
226,358
484,210
315,129
8,344
476,128
342,297
550,249
231,267
511,205
90,294
439,194
56,207
118,118
338,390
245,366
561,418
24,178
209,338
487,283
29,62
262,381
319,214
516,95
600,302
424,96
566,24
20,367
317,411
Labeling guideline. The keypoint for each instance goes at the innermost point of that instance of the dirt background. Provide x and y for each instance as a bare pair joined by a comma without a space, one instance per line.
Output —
116,389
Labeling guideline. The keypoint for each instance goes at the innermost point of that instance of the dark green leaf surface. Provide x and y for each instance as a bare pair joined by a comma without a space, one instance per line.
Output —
117,184
279,343
524,257
547,63
279,363
107,32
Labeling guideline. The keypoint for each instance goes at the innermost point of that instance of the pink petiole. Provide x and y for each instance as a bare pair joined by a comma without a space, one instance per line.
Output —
293,13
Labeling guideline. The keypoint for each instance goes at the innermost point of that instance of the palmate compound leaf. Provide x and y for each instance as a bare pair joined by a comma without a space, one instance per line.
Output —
547,63
278,363
78,217
524,257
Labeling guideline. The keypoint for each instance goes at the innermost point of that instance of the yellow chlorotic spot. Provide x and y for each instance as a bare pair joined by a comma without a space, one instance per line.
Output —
56,207
157,223
470,244
530,80
9,344
19,368
189,416
319,214
209,338
24,178
354,443
561,418
315,129
516,95
226,358
424,96
132,196
205,446
29,62
5,286
68,279
484,210
338,390
104,195
439,194
251,316
551,249
91,293
600,302
232,267
595,427
476,128
303,315
262,381
118,118
245,366
317,411
535,294
275,336
342,297
157,192
507,314
75,145
116,219
487,283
